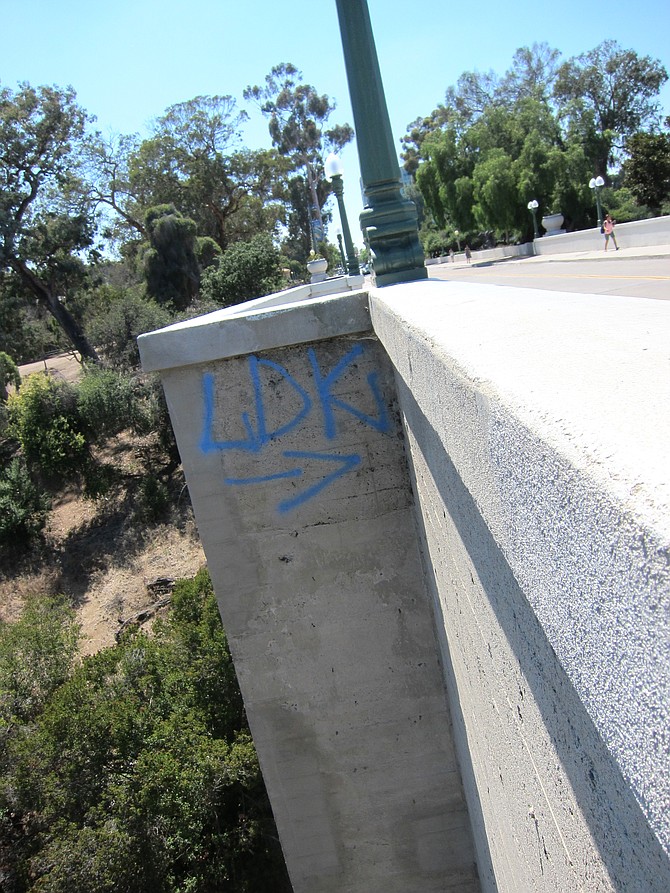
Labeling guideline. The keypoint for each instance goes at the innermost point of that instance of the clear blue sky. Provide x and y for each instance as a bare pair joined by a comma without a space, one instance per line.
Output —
129,60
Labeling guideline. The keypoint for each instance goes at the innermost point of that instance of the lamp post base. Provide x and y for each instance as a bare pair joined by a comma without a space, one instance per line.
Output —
391,229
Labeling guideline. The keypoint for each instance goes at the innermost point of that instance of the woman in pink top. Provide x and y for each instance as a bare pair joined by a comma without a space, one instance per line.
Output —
608,229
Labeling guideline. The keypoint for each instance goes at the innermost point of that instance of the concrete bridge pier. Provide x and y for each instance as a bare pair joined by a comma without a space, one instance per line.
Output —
290,433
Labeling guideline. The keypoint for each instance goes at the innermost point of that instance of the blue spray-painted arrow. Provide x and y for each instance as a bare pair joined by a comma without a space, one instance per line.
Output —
345,463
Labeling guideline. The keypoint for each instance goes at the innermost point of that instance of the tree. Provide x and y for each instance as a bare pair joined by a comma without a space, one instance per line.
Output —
297,117
170,264
45,217
246,270
532,75
647,169
133,770
193,161
607,95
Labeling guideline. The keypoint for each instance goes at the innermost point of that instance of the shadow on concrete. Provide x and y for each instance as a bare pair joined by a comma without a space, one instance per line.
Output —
626,844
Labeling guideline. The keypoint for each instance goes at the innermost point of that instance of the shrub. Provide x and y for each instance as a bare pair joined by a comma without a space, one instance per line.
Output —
135,770
246,270
37,653
9,374
23,507
153,499
43,417
115,331
106,402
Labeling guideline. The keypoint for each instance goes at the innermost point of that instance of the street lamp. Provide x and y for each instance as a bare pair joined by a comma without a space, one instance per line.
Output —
333,170
341,247
458,241
532,207
595,183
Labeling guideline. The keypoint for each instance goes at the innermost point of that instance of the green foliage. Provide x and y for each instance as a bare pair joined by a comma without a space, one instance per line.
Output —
170,264
136,772
621,205
106,403
9,374
115,329
43,418
46,217
606,95
538,133
23,507
246,270
57,424
37,653
297,120
647,169
25,331
153,498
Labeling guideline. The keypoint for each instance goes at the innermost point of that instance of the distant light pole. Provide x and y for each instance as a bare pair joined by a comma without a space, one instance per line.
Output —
458,241
389,219
341,247
596,183
532,207
334,170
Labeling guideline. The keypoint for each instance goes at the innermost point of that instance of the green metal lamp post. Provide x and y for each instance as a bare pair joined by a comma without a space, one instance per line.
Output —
341,247
532,207
333,170
389,221
596,183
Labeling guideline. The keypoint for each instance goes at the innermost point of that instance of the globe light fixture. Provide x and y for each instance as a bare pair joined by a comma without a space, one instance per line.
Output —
596,183
334,170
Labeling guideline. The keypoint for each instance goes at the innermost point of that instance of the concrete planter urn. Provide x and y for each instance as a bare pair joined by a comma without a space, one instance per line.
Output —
553,224
317,269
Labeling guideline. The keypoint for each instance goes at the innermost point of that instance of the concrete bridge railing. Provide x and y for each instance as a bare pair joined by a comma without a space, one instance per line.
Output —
436,517
638,234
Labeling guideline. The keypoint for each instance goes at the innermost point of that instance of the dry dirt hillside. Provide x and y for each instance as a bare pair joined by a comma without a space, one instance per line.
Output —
112,566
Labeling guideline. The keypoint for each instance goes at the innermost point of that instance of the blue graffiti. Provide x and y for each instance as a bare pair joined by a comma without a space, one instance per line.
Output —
258,435
346,464
329,400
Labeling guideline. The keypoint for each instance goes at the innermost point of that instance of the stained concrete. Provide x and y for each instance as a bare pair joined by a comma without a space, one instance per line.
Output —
295,463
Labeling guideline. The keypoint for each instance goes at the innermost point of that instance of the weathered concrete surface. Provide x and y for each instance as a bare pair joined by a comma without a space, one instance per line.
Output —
538,427
295,462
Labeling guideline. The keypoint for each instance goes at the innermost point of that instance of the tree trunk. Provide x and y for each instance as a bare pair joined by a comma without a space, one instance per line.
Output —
58,310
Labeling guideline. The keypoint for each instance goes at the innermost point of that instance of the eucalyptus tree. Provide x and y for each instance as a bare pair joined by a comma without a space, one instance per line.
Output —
607,95
297,119
47,224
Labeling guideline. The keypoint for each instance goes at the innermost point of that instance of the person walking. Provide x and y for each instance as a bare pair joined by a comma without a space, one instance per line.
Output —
608,229
468,253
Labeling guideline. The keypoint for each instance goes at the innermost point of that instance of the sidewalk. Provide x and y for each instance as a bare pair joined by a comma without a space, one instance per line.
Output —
651,251
622,254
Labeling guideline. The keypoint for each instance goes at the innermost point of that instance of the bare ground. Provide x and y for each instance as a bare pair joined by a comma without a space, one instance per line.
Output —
99,554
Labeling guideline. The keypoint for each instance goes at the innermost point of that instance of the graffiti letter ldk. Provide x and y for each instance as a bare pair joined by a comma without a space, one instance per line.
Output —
259,436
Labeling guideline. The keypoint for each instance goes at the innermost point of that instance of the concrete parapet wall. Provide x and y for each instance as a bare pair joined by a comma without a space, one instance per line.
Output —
537,430
638,234
452,644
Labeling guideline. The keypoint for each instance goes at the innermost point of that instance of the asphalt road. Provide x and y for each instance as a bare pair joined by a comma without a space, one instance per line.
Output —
640,277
